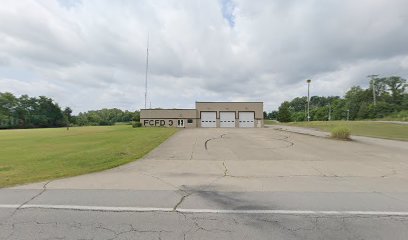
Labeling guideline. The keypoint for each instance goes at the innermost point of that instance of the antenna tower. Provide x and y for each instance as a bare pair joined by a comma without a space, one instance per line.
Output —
147,68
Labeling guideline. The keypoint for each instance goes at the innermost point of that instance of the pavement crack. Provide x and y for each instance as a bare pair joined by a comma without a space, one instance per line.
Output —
285,139
185,195
192,149
225,169
210,139
392,173
44,188
226,174
181,201
282,138
117,234
35,196
292,230
161,180
321,173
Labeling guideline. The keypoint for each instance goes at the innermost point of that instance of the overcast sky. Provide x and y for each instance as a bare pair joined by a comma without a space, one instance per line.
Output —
91,54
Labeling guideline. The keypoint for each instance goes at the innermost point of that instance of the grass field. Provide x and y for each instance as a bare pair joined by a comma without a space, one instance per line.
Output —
360,128
32,155
270,122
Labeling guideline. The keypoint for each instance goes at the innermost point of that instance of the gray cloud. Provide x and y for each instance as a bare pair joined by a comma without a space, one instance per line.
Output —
91,54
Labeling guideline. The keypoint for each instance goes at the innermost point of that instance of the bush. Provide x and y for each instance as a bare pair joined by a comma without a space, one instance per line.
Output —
399,116
136,124
341,132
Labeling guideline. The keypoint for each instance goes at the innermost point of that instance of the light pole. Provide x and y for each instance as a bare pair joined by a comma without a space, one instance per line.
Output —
373,86
306,109
308,99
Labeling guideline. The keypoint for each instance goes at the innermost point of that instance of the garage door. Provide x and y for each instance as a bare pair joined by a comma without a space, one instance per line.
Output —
227,119
208,119
246,119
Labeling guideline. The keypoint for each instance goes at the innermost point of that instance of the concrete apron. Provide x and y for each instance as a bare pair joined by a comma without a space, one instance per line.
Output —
253,160
232,165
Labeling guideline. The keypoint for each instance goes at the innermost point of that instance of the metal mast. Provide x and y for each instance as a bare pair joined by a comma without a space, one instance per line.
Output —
329,111
373,85
308,99
147,68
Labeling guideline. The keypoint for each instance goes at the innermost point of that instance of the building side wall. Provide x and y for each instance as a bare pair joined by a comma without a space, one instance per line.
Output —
167,122
168,117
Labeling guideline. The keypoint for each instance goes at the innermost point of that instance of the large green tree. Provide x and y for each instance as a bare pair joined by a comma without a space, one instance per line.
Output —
396,86
106,116
390,94
284,113
28,112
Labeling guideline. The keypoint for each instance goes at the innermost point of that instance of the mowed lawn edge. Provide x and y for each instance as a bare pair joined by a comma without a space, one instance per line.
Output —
384,130
33,155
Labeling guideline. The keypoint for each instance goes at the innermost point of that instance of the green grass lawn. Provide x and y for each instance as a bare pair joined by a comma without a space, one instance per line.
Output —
32,155
361,128
270,122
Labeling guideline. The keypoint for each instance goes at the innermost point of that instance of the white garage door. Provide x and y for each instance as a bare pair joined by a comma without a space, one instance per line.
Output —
208,119
246,119
227,119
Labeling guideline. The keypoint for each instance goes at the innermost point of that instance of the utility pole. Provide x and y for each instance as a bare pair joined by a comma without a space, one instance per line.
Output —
329,112
147,68
348,114
373,77
308,99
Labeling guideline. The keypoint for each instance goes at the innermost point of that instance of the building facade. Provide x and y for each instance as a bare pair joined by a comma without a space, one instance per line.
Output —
207,114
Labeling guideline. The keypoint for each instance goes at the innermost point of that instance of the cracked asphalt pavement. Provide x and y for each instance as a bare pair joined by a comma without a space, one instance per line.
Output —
226,184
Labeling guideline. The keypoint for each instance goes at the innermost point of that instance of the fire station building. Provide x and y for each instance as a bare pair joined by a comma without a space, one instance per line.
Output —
207,115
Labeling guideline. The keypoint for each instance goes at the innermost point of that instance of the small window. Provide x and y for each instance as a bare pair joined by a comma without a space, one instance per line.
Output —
190,121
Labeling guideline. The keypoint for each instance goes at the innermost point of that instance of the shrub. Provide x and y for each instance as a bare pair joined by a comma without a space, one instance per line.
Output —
341,132
399,116
136,124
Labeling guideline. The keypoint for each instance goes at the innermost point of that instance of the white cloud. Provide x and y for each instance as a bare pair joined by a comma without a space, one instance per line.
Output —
91,54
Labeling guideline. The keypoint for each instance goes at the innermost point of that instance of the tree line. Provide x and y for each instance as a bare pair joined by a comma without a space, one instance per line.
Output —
105,117
384,97
43,112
